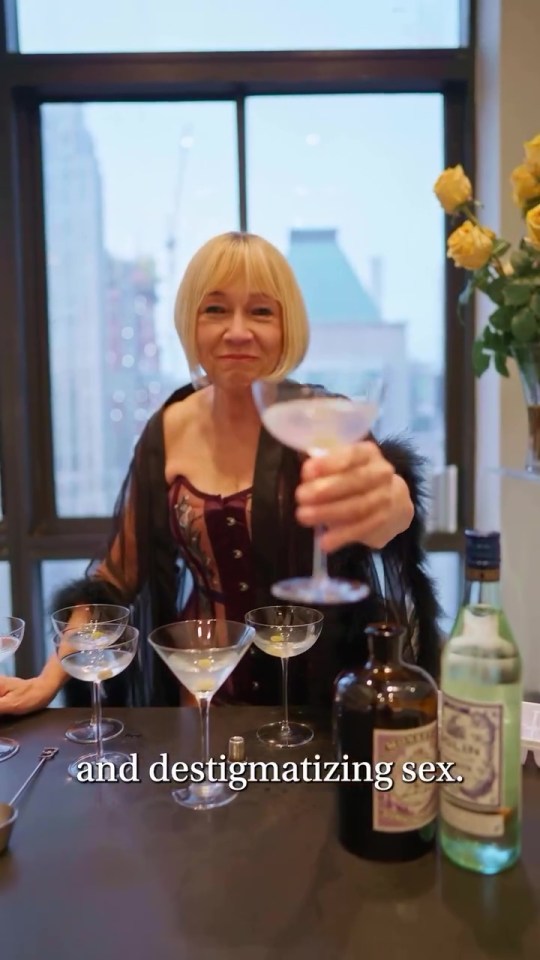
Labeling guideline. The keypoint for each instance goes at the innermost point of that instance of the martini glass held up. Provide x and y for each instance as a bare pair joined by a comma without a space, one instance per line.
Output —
311,421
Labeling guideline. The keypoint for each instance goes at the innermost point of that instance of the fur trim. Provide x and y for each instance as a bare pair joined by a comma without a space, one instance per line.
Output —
86,590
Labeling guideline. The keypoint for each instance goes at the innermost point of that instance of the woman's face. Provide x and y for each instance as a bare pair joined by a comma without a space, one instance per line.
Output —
239,335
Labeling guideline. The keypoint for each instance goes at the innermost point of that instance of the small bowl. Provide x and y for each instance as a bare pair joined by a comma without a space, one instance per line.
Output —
8,816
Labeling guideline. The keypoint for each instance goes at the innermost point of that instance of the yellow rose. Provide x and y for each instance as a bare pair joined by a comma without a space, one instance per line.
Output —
533,225
526,185
453,189
532,154
470,246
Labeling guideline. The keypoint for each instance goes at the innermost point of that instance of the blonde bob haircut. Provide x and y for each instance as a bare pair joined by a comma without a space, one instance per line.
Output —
248,258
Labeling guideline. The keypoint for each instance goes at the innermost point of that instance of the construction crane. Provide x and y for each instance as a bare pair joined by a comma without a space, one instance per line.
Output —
168,339
171,243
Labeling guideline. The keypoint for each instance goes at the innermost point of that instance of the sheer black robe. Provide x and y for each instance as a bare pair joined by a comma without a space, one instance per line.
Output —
141,568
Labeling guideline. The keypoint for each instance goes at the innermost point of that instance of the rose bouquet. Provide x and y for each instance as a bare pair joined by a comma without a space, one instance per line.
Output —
509,277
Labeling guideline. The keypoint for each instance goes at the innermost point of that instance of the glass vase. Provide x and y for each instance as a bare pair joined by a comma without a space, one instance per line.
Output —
527,358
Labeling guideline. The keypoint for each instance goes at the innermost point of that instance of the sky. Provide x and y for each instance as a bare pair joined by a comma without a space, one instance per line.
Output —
363,164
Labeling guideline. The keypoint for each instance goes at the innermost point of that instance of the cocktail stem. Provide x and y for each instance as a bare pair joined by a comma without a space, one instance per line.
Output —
95,699
96,691
284,678
320,566
204,710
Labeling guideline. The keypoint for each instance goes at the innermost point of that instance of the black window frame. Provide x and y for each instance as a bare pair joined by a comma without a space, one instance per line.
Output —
30,530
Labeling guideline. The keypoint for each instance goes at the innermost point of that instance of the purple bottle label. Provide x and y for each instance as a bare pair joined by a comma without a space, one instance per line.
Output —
471,738
407,805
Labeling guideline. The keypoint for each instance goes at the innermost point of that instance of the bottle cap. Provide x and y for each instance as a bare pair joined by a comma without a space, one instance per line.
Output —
237,748
482,550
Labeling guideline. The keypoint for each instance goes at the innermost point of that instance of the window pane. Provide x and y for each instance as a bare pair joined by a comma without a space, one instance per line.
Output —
56,574
445,568
339,185
7,667
60,26
131,190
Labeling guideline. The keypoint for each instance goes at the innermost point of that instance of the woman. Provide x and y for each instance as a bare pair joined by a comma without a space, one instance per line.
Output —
214,510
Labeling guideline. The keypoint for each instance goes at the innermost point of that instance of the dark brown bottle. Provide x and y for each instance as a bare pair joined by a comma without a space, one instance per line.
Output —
386,713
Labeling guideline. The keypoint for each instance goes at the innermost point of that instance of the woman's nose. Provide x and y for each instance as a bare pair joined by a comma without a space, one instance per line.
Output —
239,328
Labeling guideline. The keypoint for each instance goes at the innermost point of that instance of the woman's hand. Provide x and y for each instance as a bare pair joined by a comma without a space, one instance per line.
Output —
24,696
356,495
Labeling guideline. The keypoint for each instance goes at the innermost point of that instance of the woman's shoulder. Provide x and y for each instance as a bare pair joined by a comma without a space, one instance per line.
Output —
179,414
166,419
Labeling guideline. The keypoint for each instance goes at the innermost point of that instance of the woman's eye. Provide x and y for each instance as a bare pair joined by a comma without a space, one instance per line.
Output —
214,308
262,312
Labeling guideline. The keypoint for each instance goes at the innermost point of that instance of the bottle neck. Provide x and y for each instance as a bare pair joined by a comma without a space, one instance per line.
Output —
482,588
385,649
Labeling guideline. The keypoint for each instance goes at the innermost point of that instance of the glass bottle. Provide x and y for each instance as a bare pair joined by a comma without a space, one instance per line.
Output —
385,716
481,687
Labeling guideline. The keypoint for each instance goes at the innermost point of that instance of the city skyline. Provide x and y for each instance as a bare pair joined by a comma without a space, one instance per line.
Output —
321,177
112,363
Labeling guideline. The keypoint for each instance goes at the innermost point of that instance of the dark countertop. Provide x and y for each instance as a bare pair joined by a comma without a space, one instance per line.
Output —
113,870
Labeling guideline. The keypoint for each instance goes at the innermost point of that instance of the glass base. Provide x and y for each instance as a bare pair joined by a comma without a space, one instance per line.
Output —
86,731
204,796
99,773
480,857
326,590
281,734
8,748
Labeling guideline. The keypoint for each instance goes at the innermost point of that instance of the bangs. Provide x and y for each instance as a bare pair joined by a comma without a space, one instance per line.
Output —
243,264
250,261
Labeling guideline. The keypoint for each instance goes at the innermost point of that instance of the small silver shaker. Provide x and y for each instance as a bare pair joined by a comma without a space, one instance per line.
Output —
237,749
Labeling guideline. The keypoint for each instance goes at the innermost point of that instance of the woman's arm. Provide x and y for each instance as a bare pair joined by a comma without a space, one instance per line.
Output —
357,495
115,580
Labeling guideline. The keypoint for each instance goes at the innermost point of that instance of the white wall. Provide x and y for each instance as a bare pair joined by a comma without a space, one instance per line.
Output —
508,112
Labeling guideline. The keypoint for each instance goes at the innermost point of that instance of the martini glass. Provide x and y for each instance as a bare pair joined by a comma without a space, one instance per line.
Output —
94,619
95,657
202,654
311,421
284,632
11,634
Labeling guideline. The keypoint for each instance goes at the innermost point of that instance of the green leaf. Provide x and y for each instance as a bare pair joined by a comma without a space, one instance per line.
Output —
495,289
480,359
501,318
500,363
535,304
528,281
521,262
499,248
492,340
516,294
524,325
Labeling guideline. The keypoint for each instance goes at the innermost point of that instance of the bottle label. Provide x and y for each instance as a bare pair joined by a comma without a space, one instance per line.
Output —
408,805
472,739
469,821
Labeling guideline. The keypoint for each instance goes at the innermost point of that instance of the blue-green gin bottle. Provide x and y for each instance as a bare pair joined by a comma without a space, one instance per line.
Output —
481,695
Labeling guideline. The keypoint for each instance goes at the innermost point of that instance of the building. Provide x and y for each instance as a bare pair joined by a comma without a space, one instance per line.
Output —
350,341
75,277
133,385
